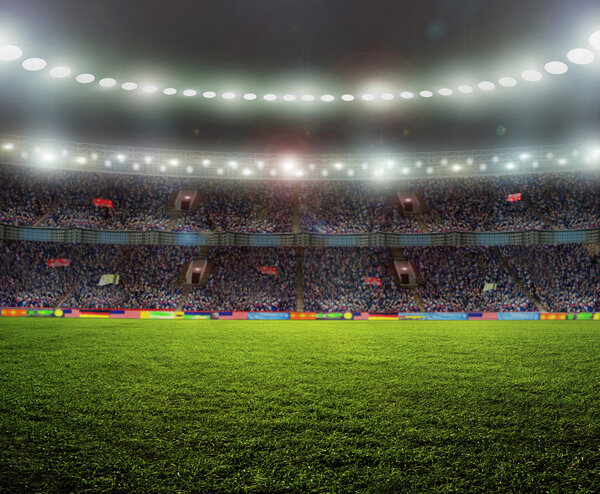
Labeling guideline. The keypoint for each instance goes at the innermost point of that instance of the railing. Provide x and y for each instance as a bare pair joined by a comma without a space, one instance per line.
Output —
231,239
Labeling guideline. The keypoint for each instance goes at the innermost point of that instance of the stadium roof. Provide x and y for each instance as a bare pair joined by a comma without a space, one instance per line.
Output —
313,47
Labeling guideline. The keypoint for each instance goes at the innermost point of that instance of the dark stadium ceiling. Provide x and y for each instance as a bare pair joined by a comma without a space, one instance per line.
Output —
272,43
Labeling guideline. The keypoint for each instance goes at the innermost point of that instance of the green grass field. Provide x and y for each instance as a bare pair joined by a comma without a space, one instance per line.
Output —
167,406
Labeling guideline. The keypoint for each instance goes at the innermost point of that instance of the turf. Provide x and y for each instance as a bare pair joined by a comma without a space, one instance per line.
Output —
235,406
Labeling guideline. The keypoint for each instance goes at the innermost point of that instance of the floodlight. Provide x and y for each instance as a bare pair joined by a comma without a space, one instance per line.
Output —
233,164
9,146
174,162
273,172
219,171
469,161
507,81
429,170
270,97
367,97
347,97
456,168
562,161
495,159
94,156
308,97
229,95
249,96
170,91
444,161
465,89
107,82
446,91
299,173
150,89
190,92
85,78
48,157
246,171
121,158
205,163
311,167
407,95
324,172
327,98
81,160
418,164
595,40
108,164
405,170
510,166
260,164
483,167
350,173
162,168
524,157
387,96
531,75
208,94
556,67
129,86
60,72
339,165
148,159
136,166
535,164
34,64
9,53
581,56
486,85
189,169
426,94
289,97
365,166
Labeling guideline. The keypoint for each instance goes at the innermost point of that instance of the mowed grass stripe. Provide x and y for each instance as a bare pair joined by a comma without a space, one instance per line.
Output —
234,406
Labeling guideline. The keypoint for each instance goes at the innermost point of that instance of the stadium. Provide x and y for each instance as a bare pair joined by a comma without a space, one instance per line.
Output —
299,247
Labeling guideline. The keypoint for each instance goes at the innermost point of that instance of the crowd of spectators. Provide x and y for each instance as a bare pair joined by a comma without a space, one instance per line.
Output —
455,279
334,281
236,283
565,278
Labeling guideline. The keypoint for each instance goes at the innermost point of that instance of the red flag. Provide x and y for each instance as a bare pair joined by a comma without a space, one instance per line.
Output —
56,263
103,203
514,197
268,270
370,280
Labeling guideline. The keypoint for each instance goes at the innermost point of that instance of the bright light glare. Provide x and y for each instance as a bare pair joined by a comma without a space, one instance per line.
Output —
507,81
483,167
347,97
426,94
338,166
407,95
581,56
327,98
60,72
205,162
150,89
595,40
486,85
9,53
189,169
85,78
136,166
163,168
465,89
246,171
446,91
249,96
367,97
510,166
270,97
190,92
531,75
34,64
208,94
170,91
148,159
229,96
107,82
308,97
129,86
289,97
456,168
81,160
173,162
387,96
556,67
9,146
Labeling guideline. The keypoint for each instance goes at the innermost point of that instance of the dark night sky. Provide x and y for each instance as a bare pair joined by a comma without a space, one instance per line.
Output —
335,44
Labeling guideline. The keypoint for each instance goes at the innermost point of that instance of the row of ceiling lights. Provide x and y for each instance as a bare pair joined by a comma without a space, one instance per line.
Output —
291,168
578,56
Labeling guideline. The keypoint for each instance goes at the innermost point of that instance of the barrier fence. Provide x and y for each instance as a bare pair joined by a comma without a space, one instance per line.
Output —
296,316
231,239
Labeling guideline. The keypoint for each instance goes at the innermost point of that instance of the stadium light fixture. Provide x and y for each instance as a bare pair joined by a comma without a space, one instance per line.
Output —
60,72
312,167
405,170
418,164
495,159
34,64
85,78
595,40
208,94
562,161
531,75
469,161
10,53
190,92
148,160
270,97
324,172
48,157
170,91
219,171
407,95
367,97
524,157
260,164
299,173
338,165
444,161
246,171
347,97
549,156
387,96
121,158
162,168
308,98
81,160
364,166
289,97
556,67
249,96
149,89
107,82
510,166
507,81
8,146
429,170
129,86
535,164
273,172
108,164
229,95
233,164
426,94
446,91
189,169
483,167
327,98
486,85
581,56
174,162
94,156
465,89
350,173
456,168
205,163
